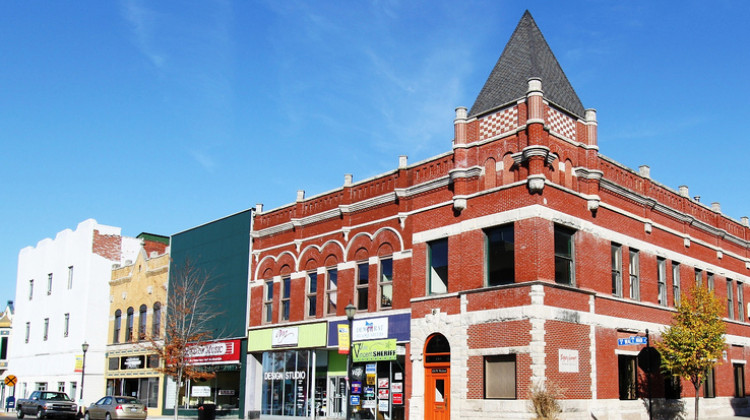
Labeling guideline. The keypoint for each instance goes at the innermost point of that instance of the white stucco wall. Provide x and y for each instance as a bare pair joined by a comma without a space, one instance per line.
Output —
87,301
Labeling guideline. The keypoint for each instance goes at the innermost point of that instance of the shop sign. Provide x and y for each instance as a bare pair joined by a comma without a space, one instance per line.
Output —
226,392
567,360
132,362
356,387
383,405
355,399
383,383
370,368
398,398
200,391
285,337
370,329
370,392
374,351
371,379
283,376
369,403
343,339
383,394
216,352
397,387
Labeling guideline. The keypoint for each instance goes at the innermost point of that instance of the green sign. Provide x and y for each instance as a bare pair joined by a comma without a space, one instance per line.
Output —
374,350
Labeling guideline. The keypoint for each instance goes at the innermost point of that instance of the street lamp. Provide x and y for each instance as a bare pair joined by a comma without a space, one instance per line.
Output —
85,348
350,311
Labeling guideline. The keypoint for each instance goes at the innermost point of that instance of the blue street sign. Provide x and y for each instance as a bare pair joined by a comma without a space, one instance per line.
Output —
632,340
355,399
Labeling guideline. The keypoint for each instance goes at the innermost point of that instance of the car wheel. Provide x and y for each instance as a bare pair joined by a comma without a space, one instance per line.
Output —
40,413
19,412
107,417
87,416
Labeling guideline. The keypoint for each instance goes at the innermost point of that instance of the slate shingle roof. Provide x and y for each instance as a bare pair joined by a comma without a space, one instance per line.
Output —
526,55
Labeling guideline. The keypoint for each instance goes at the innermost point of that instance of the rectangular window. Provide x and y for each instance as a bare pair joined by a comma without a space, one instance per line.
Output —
710,281
628,374
616,269
73,390
31,289
28,331
66,325
40,386
46,328
49,283
739,380
500,255
70,277
312,294
564,256
675,284
268,301
437,254
286,295
500,377
730,299
3,348
61,387
635,272
698,276
363,283
740,303
386,283
332,281
709,385
661,275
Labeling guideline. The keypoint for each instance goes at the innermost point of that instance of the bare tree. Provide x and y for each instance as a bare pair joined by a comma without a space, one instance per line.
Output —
190,320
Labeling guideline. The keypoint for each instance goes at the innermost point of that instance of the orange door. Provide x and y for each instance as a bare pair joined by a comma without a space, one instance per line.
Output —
437,393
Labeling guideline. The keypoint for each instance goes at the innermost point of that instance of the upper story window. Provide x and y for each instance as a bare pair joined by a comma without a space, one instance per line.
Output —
31,289
698,277
268,301
634,269
710,281
49,283
437,254
661,280
142,311
28,331
66,325
730,299
156,321
286,296
332,279
616,257
564,255
70,277
740,303
386,283
312,293
117,326
675,283
129,325
46,329
363,285
499,242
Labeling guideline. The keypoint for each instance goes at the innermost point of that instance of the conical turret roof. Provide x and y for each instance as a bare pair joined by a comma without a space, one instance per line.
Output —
526,55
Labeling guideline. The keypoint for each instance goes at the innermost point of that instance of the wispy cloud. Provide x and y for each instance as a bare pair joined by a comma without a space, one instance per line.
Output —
143,21
206,161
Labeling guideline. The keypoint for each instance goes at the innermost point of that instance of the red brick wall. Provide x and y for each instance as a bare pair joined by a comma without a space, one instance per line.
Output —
107,246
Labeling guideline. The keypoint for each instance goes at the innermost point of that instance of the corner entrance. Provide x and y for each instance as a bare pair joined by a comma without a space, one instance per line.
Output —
437,378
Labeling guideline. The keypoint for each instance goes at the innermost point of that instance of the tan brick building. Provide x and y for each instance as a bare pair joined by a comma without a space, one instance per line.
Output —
138,295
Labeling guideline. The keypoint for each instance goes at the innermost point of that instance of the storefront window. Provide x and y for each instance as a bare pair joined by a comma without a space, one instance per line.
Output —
380,387
285,383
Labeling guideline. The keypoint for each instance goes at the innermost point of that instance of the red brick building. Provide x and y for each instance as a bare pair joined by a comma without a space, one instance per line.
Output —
520,256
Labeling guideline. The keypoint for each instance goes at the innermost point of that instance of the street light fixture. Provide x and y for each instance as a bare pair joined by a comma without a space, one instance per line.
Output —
85,348
350,311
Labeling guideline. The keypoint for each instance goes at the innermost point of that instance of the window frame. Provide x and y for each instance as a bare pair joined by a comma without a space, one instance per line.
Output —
627,386
332,288
66,325
661,280
268,301
730,299
286,298
45,336
497,251
129,325
634,273
501,360
740,302
311,294
142,321
31,289
70,277
362,286
676,293
28,331
49,284
117,327
156,320
568,257
616,261
385,281
441,246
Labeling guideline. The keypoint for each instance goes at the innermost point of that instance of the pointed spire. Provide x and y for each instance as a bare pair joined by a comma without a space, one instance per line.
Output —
526,55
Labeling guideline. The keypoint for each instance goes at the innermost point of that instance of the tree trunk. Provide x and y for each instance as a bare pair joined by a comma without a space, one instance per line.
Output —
697,397
177,393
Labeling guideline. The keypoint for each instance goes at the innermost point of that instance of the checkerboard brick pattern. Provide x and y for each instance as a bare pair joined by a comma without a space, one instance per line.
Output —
561,123
498,123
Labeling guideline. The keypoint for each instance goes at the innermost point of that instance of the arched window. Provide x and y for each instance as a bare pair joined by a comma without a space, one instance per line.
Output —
142,322
129,326
118,322
156,330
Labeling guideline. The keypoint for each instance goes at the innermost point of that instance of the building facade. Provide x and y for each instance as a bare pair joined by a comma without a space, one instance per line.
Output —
62,292
138,299
219,252
521,257
6,324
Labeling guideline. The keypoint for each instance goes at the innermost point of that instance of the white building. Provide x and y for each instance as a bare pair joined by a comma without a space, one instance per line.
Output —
62,301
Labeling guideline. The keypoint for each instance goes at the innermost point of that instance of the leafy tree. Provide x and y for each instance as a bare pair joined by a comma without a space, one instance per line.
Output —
695,340
190,317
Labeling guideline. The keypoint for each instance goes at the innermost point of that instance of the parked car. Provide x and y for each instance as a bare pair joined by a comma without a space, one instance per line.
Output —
46,404
116,407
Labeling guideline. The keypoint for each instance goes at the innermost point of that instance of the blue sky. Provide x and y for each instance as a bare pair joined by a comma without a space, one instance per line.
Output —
160,116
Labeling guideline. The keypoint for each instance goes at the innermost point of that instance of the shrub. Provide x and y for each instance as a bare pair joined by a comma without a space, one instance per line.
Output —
544,400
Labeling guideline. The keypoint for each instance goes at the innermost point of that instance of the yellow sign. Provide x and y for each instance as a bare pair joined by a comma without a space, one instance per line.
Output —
11,380
374,350
343,339
79,363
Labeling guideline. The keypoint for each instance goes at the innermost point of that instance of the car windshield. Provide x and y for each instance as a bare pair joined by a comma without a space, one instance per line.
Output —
54,396
126,400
